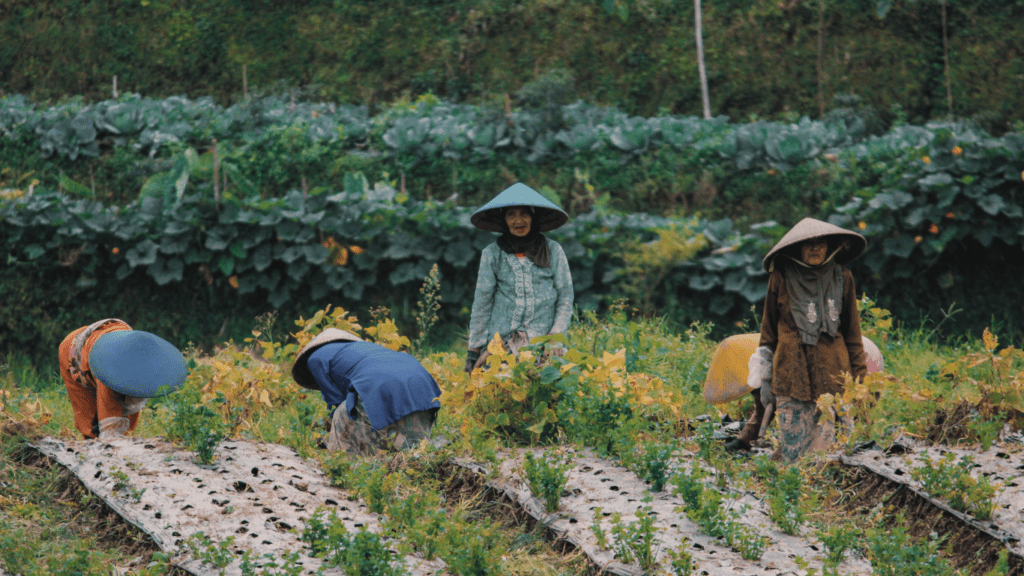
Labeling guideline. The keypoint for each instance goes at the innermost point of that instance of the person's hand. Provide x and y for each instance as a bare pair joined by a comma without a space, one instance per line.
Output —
472,355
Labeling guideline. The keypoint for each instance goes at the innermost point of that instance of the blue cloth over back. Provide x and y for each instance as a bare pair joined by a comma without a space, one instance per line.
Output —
391,384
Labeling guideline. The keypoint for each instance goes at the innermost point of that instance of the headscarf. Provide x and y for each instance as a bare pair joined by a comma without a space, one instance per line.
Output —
534,245
815,296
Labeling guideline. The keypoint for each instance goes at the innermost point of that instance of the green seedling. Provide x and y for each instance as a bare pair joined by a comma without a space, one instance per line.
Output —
547,476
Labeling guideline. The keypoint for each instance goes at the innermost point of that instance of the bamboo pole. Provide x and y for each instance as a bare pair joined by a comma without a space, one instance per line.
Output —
821,49
700,61
115,87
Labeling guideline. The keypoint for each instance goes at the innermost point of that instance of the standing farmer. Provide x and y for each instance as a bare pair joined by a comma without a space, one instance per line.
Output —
524,288
810,331
111,370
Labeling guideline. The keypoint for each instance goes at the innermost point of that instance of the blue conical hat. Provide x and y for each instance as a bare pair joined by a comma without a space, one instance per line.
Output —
137,363
548,215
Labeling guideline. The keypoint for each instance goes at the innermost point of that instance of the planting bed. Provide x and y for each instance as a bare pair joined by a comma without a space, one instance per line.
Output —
878,477
255,492
599,483
258,493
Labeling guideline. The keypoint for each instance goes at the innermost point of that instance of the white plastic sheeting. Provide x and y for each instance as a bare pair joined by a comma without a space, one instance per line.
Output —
598,483
256,493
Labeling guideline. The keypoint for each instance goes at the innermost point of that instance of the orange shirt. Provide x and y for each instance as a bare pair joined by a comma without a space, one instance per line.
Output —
92,401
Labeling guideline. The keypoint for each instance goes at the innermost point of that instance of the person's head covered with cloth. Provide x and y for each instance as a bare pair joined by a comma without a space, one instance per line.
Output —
110,371
524,287
380,399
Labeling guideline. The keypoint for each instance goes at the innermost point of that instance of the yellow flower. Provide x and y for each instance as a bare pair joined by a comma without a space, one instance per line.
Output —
950,215
115,250
957,151
356,249
234,282
773,172
315,114
862,225
926,160
934,228
917,239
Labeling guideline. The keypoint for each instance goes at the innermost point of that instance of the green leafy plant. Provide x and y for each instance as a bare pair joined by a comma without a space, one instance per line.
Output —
124,484
635,541
214,553
546,476
950,480
599,532
785,495
681,561
653,465
428,305
194,423
837,539
893,552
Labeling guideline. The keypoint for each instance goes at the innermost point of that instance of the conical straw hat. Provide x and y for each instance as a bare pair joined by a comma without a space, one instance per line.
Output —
811,228
137,363
547,214
300,370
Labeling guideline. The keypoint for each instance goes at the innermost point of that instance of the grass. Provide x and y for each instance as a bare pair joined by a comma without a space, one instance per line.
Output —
45,516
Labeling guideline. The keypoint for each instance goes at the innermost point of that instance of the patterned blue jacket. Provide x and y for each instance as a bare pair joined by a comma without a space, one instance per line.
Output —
518,296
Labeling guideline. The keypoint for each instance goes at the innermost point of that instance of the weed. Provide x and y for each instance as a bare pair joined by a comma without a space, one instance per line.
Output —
471,551
784,496
428,304
837,539
547,476
951,481
894,553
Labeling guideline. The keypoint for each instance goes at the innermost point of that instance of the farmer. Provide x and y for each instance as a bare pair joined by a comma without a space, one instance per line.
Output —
523,288
810,335
110,370
380,399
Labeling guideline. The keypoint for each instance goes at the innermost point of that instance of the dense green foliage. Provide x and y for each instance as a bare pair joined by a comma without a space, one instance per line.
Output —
940,205
763,56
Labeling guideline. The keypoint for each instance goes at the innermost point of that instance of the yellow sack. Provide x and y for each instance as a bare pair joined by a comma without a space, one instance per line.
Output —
727,375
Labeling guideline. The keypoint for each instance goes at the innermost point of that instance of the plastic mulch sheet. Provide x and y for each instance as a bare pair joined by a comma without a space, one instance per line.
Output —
256,493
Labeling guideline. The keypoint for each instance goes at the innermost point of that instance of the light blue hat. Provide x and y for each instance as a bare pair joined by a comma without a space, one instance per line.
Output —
137,363
547,215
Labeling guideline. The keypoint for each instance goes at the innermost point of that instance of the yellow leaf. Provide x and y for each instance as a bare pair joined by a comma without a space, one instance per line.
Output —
265,398
495,347
519,395
990,340
617,360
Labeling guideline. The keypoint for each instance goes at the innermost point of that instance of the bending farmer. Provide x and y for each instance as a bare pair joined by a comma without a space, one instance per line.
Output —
380,399
110,370
810,333
523,288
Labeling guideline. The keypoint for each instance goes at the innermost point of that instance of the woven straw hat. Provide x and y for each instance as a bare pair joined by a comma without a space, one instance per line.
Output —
547,215
300,370
809,228
137,363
